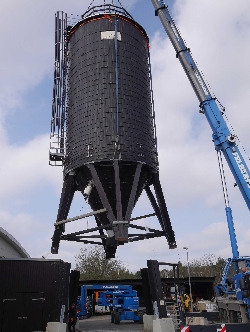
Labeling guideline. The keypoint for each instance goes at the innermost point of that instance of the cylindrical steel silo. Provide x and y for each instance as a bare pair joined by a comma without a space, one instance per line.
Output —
111,153
109,100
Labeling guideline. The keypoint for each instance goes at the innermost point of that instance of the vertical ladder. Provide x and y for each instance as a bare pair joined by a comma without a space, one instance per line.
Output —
174,311
57,134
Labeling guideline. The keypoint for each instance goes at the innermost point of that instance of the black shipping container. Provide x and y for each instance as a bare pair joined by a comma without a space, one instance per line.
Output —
33,292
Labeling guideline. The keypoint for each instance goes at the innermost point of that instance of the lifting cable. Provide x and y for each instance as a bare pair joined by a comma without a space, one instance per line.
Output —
121,4
90,5
223,179
105,4
118,2
223,112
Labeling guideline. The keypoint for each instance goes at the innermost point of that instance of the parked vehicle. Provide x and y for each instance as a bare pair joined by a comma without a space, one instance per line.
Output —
124,305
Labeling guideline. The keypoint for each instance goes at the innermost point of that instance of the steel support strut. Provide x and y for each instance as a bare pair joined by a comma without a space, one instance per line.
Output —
67,195
161,211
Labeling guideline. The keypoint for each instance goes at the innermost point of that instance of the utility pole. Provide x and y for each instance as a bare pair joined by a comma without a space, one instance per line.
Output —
190,288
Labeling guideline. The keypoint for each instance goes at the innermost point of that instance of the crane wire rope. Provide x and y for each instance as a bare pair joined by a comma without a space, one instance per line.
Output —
223,179
91,4
232,128
243,148
121,4
118,2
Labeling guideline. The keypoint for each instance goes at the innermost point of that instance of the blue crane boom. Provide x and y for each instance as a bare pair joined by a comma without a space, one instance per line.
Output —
234,309
223,139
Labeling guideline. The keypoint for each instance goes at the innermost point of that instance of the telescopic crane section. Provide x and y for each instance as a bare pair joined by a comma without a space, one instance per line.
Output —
223,140
235,309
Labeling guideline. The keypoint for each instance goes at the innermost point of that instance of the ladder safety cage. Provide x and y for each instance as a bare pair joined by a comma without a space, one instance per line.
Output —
59,102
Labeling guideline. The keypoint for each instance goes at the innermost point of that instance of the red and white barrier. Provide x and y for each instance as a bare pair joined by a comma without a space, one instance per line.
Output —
223,328
185,329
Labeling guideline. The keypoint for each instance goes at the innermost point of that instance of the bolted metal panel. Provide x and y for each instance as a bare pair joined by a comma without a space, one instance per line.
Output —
156,289
146,292
109,112
32,293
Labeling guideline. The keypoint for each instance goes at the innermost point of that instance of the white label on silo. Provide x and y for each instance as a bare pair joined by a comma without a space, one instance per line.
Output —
110,35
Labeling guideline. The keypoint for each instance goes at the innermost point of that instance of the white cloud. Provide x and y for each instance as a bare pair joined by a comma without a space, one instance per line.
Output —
24,168
28,44
218,35
21,225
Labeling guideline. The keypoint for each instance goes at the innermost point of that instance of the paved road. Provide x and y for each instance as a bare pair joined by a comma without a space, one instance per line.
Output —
103,324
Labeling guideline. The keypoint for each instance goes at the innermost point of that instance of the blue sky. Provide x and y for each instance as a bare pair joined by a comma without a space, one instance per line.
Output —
218,35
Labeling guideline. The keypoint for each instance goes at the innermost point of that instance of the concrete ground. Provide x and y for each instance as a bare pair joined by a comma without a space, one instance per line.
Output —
103,324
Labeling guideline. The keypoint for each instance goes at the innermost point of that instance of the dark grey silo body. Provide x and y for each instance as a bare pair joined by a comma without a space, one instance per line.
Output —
109,112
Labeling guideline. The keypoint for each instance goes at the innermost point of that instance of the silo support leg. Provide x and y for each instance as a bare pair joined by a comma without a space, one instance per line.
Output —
167,227
154,205
67,195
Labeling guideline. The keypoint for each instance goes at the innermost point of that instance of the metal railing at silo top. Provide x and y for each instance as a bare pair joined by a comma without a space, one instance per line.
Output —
106,9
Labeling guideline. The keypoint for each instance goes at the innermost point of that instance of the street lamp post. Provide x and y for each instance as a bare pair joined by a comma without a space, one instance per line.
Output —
190,289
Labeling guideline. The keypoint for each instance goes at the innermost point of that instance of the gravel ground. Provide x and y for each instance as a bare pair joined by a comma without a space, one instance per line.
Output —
103,324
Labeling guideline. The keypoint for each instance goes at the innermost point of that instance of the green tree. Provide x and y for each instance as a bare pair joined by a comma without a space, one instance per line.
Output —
207,266
137,274
93,265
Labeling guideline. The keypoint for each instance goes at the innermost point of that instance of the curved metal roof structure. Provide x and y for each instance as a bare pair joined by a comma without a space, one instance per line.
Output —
10,247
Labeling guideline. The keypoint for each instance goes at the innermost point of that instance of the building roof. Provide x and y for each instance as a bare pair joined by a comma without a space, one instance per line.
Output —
10,247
